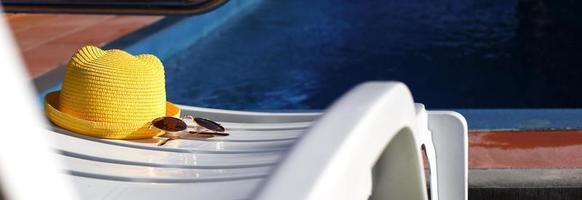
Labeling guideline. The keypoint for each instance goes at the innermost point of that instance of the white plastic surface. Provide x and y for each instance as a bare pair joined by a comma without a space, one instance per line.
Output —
450,141
368,143
376,127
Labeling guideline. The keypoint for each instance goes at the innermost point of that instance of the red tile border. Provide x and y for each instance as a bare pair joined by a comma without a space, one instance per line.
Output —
102,32
48,40
525,149
48,56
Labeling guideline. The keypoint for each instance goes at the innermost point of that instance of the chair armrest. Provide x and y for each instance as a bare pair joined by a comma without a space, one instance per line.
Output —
334,159
449,136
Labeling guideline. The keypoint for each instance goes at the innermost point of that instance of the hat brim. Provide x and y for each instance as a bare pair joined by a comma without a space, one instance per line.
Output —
102,129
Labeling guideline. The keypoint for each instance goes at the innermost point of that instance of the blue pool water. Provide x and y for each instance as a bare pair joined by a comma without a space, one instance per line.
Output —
300,54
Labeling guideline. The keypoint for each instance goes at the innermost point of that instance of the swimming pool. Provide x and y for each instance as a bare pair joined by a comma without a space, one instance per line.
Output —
288,55
502,64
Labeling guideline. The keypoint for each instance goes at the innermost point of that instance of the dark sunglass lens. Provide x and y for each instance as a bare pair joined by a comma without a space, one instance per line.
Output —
210,125
171,124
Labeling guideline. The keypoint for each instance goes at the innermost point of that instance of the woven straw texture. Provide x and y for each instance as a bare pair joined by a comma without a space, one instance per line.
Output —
110,94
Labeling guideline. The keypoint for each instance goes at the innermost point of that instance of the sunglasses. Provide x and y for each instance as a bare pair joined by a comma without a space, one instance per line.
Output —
204,128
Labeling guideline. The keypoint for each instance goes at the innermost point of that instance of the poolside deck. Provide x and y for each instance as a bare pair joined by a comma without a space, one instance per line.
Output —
48,40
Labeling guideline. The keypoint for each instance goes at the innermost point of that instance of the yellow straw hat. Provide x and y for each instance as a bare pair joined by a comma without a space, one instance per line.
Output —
111,94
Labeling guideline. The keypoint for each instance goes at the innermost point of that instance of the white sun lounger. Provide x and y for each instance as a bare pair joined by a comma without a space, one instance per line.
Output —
367,144
285,155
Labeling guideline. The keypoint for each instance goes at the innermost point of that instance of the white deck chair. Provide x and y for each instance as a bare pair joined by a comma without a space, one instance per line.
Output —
366,145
